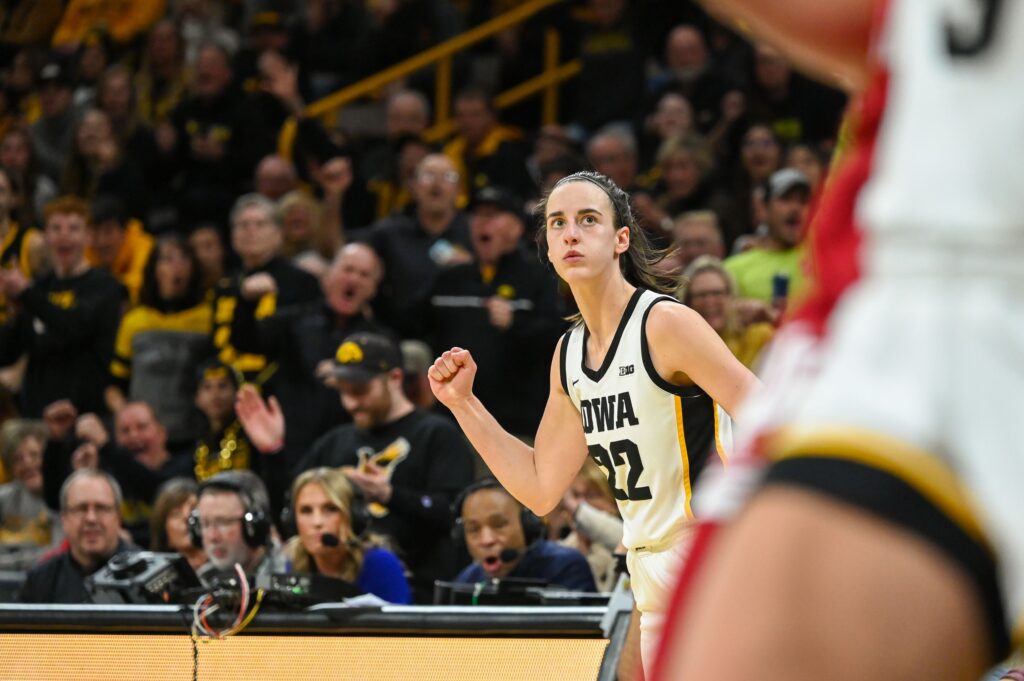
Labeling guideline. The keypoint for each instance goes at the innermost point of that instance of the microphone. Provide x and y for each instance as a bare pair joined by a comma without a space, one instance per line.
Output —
508,555
328,539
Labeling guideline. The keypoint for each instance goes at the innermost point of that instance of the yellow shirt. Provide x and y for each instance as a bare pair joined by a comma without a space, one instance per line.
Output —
130,261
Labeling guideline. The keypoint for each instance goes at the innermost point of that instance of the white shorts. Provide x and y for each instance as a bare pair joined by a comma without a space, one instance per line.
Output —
652,578
922,378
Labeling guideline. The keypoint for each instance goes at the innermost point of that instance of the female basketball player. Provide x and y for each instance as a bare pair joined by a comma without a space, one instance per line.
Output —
622,388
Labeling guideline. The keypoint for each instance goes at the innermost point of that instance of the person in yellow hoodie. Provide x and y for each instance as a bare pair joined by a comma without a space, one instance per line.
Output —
119,245
486,153
124,19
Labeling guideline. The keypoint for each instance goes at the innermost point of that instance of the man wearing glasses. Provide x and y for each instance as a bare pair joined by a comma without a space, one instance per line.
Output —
89,510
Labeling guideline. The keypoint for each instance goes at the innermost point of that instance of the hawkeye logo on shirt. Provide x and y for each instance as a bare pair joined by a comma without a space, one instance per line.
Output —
63,299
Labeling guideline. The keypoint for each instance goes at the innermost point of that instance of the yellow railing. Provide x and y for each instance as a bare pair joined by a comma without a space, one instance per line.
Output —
441,56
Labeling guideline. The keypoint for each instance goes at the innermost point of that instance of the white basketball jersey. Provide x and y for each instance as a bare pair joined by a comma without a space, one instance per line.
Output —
948,160
651,437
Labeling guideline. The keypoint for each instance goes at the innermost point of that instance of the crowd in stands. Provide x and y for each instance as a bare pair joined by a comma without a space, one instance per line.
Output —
216,312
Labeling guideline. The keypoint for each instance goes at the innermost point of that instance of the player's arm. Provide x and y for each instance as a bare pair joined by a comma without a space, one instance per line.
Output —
681,342
828,39
536,476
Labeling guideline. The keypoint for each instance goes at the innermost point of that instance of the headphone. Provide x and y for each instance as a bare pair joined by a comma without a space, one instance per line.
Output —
359,516
533,527
255,521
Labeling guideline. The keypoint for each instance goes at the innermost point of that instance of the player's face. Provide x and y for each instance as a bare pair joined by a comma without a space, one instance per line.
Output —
583,240
491,523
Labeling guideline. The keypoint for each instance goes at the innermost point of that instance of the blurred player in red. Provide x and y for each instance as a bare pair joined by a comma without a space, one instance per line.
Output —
885,540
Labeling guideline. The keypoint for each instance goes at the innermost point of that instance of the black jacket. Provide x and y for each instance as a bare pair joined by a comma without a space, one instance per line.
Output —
62,580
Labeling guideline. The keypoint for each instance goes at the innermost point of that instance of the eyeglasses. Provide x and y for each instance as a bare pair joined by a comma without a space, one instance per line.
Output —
221,524
82,510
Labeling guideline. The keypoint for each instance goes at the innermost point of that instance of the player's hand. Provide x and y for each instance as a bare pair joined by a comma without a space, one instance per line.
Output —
451,377
255,286
262,419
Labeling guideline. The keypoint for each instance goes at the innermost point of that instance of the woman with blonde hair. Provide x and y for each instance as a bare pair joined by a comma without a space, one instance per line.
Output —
708,288
322,503
595,523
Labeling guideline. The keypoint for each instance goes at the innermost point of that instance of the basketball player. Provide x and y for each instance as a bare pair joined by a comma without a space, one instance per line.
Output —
885,539
621,389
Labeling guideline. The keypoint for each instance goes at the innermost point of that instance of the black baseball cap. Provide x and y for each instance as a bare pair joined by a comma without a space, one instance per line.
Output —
363,356
500,198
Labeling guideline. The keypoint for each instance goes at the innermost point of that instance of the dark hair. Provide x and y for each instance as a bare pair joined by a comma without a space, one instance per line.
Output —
639,264
149,293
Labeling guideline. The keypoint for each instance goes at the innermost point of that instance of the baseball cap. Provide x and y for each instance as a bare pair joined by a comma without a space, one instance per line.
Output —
364,356
784,181
500,198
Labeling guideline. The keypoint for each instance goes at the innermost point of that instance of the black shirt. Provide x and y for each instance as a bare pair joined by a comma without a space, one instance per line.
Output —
62,580
67,327
512,364
430,464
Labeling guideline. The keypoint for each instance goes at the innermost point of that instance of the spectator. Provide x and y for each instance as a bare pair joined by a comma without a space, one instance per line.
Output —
407,115
415,247
408,464
760,156
504,305
275,177
21,246
266,279
746,327
115,96
231,523
92,59
18,156
302,226
483,151
138,459
494,525
331,42
610,83
612,152
797,108
672,118
97,165
29,22
323,501
690,73
779,253
54,132
215,138
168,523
302,340
594,526
207,243
224,445
160,341
67,319
28,528
89,510
119,245
697,233
162,79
